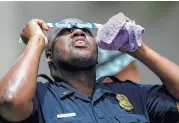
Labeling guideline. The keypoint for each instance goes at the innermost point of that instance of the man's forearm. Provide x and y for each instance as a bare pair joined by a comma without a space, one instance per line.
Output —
165,69
18,86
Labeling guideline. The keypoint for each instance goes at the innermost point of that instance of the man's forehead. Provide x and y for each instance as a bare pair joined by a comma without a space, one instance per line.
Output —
71,21
53,32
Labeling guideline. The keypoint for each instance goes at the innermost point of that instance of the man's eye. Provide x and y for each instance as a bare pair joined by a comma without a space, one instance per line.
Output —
87,31
66,31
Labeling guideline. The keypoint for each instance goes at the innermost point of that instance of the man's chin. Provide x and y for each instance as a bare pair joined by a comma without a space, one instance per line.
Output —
78,63
81,54
84,61
83,58
79,50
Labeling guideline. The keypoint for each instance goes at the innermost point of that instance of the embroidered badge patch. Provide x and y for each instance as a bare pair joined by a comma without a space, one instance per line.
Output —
124,102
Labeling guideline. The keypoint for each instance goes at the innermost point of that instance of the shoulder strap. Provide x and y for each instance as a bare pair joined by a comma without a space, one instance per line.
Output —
113,78
45,77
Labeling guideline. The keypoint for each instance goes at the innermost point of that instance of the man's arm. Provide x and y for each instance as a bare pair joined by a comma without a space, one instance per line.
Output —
165,69
18,86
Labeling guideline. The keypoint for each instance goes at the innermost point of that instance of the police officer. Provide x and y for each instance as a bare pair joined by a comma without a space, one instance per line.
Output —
74,96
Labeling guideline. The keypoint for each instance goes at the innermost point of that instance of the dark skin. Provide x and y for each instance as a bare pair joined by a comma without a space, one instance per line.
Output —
22,77
18,86
80,59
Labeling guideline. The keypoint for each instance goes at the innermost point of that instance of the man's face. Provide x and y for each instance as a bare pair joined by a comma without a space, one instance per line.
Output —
76,47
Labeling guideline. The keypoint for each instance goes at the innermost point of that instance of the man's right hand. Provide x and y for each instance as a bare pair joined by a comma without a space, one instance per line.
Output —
18,86
34,28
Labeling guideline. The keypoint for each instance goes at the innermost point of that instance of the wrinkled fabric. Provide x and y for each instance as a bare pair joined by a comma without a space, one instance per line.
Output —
111,62
120,32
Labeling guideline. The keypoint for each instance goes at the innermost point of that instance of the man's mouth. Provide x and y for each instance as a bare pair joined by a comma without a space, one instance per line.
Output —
79,42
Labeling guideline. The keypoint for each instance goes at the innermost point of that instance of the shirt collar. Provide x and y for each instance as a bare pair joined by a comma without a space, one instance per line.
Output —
65,90
101,90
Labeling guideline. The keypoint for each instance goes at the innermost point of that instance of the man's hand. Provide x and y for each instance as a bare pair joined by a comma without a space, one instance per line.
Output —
125,50
34,27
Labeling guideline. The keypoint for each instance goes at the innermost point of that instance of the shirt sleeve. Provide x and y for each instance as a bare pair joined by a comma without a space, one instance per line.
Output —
33,118
160,104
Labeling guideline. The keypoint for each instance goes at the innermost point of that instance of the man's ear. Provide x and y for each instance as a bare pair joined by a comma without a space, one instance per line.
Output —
48,57
55,73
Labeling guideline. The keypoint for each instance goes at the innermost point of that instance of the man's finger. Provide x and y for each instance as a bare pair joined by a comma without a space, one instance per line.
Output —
41,23
45,27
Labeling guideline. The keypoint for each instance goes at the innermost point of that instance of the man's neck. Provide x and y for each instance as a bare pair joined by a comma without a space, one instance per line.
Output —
82,80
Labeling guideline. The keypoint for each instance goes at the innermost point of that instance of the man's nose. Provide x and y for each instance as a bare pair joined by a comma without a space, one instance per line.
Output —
78,32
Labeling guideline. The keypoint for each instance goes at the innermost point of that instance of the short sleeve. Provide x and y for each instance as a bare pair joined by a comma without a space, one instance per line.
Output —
160,104
33,118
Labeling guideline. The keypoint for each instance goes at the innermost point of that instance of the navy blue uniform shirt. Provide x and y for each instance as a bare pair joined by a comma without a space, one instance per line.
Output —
117,102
